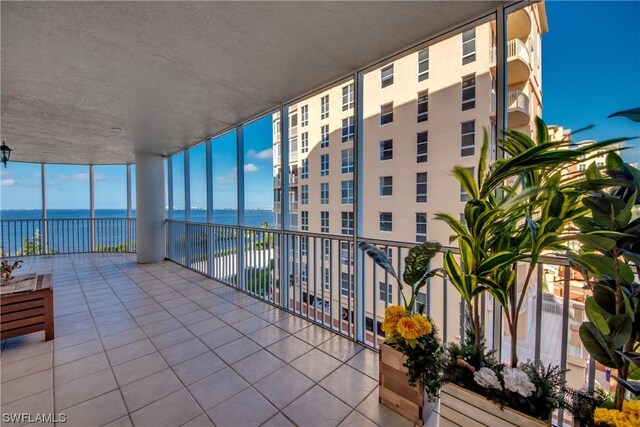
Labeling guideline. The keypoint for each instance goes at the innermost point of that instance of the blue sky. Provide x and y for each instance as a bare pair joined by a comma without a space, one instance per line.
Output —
591,68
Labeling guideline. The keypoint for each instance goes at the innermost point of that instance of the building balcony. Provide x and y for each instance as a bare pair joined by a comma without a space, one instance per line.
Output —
518,61
517,109
293,179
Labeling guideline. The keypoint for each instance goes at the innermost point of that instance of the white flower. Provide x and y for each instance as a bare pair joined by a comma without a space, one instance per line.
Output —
486,378
518,382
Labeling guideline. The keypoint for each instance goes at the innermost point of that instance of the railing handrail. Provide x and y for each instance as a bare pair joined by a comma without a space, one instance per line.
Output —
64,219
515,47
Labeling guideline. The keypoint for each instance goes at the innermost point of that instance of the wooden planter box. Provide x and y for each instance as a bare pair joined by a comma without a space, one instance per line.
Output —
461,407
395,392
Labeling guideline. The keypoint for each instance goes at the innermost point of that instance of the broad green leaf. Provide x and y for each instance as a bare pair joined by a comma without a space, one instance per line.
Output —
596,242
621,327
497,260
597,316
465,179
417,262
601,265
596,345
631,114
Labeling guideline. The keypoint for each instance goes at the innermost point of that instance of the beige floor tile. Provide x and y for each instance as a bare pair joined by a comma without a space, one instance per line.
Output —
183,351
217,388
366,362
95,412
26,386
153,318
205,326
292,324
150,389
82,367
173,410
83,389
11,371
13,353
278,420
76,352
237,350
356,419
120,422
269,335
349,385
314,335
341,348
128,352
247,408
171,338
199,367
257,366
316,364
251,324
283,386
141,367
161,327
194,317
123,338
220,337
73,339
39,403
317,407
289,348
379,414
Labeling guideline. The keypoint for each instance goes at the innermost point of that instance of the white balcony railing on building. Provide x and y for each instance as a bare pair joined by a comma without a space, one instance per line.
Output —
21,237
517,100
515,49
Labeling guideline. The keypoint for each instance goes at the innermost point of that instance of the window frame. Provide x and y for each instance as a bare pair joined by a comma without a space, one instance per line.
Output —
423,100
386,80
385,186
348,97
324,193
385,222
422,196
470,57
386,117
324,164
347,156
384,149
468,104
421,237
423,75
468,149
324,107
422,147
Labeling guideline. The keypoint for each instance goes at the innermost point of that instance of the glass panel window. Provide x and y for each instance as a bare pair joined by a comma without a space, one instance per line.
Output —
304,194
422,147
421,227
386,221
324,221
347,97
324,136
305,169
386,149
386,185
304,115
347,223
326,249
469,46
346,253
421,187
467,138
347,192
324,107
304,215
324,193
347,129
347,160
304,245
346,281
304,141
423,106
421,302
386,113
423,64
386,76
468,92
276,130
464,196
324,165
326,279
386,292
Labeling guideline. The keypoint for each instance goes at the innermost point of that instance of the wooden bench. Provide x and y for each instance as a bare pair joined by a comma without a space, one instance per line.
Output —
28,312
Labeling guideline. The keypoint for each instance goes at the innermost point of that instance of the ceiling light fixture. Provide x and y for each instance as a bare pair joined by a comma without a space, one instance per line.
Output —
6,153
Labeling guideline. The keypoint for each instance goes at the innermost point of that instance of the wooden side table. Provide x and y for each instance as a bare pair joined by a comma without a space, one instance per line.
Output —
28,312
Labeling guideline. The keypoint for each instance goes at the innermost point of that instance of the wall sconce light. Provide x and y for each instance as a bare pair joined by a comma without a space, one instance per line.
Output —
6,153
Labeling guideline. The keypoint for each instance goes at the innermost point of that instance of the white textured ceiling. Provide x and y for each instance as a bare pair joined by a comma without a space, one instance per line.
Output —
170,73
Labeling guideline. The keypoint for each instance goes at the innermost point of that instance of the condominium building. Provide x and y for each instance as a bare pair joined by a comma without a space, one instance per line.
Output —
423,113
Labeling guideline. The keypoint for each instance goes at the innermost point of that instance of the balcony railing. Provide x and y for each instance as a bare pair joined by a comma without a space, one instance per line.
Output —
20,237
317,276
515,49
517,100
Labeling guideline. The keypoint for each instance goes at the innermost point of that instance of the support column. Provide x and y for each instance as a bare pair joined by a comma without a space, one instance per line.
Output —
150,222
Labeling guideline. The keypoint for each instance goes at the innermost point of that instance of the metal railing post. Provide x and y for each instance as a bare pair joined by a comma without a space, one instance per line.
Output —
45,232
92,213
240,261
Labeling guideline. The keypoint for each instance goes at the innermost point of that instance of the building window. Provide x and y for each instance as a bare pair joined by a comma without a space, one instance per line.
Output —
304,140
347,129
304,115
386,76
467,138
304,243
324,107
304,272
324,193
386,292
423,64
464,196
346,253
304,220
304,194
276,130
422,147
326,279
324,136
423,106
421,187
305,169
324,221
421,302
386,113
421,227
346,288
324,165
386,186
386,221
386,149
347,97
347,160
326,249
468,92
347,192
463,219
469,46
347,223
293,124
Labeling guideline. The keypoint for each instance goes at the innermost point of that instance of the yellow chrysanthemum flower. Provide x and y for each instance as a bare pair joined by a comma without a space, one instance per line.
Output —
410,328
613,417
424,325
392,316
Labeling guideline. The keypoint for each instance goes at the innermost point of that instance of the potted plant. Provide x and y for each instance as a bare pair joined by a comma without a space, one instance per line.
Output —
411,355
519,208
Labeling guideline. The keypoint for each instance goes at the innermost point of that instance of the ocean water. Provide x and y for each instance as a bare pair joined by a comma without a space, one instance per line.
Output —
71,232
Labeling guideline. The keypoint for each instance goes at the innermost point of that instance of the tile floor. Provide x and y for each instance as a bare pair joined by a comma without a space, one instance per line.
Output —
160,345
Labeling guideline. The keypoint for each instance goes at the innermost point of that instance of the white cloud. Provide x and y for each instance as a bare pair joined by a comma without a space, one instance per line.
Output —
7,183
262,155
82,176
228,179
250,167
